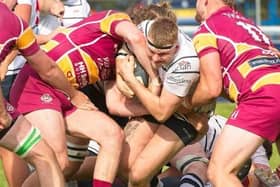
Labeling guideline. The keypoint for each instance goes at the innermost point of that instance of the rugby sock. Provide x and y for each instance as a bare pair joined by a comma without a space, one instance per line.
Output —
100,183
191,180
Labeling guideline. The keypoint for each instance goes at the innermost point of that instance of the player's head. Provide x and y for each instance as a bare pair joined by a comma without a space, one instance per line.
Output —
151,12
162,41
204,8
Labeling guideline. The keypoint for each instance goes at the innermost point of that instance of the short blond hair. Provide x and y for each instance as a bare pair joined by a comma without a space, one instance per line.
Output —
151,12
163,32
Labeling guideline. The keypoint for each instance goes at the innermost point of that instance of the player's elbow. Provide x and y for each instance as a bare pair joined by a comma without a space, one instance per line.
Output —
113,110
50,73
214,91
111,107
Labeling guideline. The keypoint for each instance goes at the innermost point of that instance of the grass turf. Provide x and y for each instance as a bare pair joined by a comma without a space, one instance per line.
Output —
3,182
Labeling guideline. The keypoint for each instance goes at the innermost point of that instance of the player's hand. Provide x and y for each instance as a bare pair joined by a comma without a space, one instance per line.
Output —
125,67
123,87
81,101
5,120
199,122
186,106
155,86
57,9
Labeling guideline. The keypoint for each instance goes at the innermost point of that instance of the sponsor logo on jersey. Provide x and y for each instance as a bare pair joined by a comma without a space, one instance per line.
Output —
183,66
178,80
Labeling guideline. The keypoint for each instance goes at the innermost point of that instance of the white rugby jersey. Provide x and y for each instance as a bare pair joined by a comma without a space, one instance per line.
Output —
74,11
179,75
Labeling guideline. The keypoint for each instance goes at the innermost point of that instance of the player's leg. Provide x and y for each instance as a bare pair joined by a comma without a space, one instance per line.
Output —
15,168
51,124
192,162
86,169
138,133
77,149
101,128
26,142
165,143
232,149
160,149
261,172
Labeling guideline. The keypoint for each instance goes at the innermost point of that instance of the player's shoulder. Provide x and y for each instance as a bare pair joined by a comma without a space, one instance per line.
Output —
186,56
186,47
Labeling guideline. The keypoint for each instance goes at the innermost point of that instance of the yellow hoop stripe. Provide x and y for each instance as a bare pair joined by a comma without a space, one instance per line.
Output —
26,39
269,79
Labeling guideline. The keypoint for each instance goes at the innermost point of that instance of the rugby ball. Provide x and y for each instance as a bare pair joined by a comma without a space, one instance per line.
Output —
140,73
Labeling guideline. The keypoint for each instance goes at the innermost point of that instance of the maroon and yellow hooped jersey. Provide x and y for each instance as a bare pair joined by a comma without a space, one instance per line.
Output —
246,61
85,52
15,33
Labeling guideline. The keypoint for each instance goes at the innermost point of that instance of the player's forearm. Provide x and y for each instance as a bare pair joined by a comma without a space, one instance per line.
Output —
10,57
128,109
202,95
5,118
120,105
150,101
50,72
56,78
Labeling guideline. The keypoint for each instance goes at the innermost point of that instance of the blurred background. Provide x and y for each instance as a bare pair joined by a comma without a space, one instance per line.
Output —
266,13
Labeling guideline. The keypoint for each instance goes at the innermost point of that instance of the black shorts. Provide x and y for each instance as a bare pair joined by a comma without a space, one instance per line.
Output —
179,125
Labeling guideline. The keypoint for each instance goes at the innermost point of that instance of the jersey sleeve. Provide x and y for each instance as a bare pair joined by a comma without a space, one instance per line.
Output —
26,42
204,42
16,34
109,23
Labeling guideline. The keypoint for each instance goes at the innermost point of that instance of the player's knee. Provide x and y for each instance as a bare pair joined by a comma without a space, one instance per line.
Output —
217,171
211,172
210,175
62,158
136,177
41,154
113,137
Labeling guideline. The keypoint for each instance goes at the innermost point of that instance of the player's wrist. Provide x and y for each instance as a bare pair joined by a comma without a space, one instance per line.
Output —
187,103
155,81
